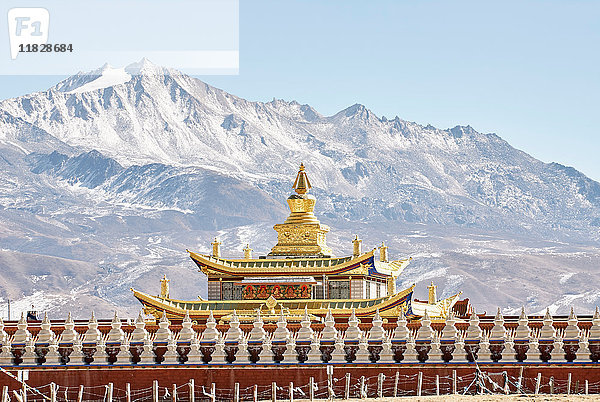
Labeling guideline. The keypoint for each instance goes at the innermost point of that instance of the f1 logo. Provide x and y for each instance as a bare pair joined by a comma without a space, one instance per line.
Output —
27,26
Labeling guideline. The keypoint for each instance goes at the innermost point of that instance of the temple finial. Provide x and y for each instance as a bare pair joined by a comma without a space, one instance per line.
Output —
247,252
164,287
356,243
301,184
216,247
432,299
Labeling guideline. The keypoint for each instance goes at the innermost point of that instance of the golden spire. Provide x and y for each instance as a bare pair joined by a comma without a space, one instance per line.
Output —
301,234
301,184
301,204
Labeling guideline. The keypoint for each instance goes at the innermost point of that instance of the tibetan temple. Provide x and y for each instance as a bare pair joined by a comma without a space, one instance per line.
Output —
300,273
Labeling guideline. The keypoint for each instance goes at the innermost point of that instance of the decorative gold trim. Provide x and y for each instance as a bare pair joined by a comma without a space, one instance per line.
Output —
221,268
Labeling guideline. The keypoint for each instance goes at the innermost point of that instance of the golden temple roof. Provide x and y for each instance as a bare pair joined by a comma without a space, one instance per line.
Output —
301,266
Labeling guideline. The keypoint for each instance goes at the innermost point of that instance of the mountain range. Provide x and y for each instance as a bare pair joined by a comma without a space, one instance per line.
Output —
110,175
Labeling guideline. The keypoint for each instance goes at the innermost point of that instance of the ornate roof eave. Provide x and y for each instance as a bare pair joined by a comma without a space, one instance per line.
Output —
392,268
440,309
388,306
224,266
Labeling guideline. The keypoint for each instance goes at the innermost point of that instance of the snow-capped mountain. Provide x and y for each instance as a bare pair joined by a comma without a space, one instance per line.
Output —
115,159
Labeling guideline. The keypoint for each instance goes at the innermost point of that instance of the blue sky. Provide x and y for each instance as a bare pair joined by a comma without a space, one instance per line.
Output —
526,70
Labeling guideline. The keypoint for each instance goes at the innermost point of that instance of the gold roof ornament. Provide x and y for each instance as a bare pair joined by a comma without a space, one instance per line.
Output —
164,287
356,246
216,247
247,252
301,184
383,252
432,293
271,302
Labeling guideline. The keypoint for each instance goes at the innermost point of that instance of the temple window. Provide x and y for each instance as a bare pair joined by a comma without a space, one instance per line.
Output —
339,289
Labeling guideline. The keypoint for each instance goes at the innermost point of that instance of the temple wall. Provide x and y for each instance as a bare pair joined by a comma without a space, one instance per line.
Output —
485,340
225,377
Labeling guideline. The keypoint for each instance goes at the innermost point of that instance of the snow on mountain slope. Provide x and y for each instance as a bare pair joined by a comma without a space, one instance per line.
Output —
124,174
163,116
104,78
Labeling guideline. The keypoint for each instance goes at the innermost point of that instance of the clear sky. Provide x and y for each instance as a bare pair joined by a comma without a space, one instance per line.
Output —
526,70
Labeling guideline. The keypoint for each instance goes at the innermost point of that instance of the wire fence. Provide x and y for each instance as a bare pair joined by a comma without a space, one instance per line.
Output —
344,387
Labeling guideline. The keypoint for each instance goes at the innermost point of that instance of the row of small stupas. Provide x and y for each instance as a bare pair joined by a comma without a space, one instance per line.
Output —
482,339
299,273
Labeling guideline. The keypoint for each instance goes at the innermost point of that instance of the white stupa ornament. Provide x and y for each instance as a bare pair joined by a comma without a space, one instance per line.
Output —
187,333
523,331
115,334
329,333
92,335
163,333
210,334
305,333
139,334
45,335
547,332
69,335
22,335
473,331
353,333
449,332
594,333
376,332
234,333
498,331
572,331
425,333
257,333
281,334
484,354
401,330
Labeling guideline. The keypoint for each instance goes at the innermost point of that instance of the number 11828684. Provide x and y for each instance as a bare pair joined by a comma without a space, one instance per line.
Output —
46,48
